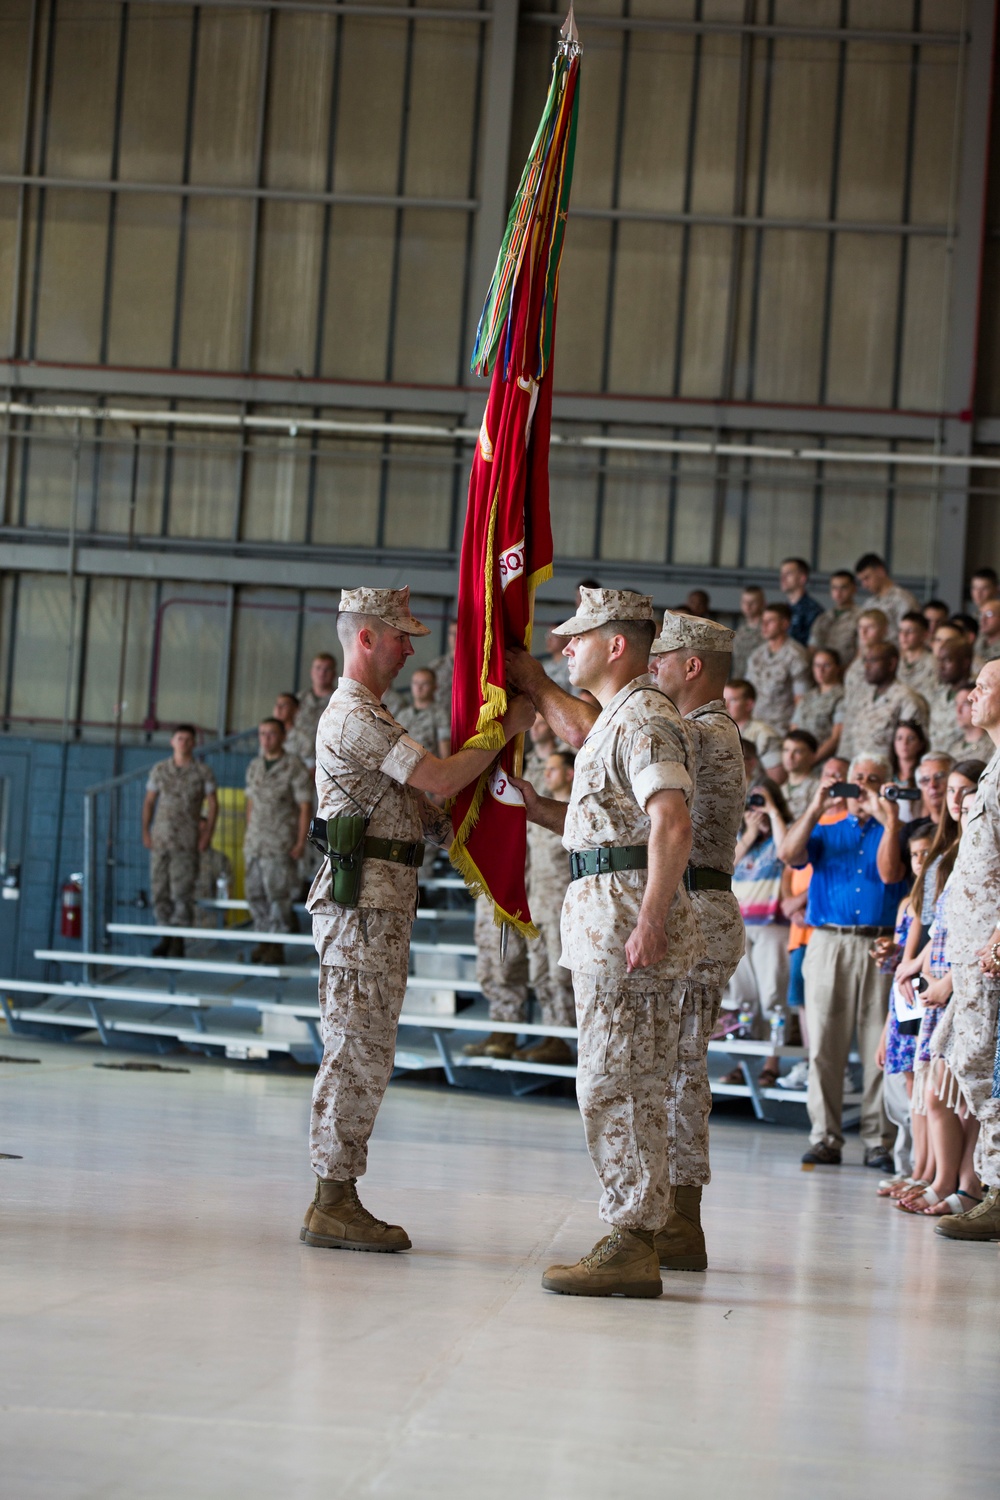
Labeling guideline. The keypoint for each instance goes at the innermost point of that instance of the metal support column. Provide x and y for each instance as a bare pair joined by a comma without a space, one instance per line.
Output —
958,395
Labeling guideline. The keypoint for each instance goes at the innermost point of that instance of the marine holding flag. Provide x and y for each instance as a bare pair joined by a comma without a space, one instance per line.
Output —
507,545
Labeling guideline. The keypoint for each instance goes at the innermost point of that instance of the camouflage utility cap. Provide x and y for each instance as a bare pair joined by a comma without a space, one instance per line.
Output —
392,606
606,607
688,632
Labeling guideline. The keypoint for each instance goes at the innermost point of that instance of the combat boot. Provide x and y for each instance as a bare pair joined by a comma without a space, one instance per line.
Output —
275,953
624,1264
163,948
551,1050
980,1223
336,1219
680,1244
176,947
497,1044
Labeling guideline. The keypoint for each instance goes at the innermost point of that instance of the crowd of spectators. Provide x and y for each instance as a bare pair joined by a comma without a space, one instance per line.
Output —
862,762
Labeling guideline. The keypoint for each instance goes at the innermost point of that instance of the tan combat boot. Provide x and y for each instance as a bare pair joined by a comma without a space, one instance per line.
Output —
550,1050
980,1223
497,1044
680,1244
336,1219
622,1265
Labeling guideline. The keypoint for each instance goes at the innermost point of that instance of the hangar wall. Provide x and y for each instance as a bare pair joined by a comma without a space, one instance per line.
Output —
249,210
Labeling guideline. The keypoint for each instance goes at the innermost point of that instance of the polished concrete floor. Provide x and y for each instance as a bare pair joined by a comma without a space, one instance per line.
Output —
164,1334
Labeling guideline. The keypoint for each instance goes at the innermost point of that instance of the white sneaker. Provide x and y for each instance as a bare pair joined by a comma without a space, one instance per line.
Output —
798,1078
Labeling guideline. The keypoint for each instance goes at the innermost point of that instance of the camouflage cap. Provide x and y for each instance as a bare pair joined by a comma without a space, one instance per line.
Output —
604,606
691,632
390,605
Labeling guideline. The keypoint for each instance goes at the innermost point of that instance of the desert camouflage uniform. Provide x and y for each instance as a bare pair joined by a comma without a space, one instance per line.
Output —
894,604
548,878
716,814
981,749
364,949
505,984
173,860
855,683
628,1023
301,738
745,643
872,716
213,865
275,789
557,671
816,712
966,1036
766,741
798,795
428,726
837,630
945,733
919,675
443,668
780,677
984,650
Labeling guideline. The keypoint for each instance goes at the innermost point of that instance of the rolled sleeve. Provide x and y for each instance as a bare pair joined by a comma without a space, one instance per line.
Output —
403,759
655,760
662,776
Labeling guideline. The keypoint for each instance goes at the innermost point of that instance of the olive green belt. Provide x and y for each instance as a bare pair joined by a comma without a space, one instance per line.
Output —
394,850
584,862
701,878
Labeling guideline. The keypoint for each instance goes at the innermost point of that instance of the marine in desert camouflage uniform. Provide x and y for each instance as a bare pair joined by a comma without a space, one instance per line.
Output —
836,629
301,740
368,764
872,715
628,929
279,800
548,880
778,669
175,833
690,661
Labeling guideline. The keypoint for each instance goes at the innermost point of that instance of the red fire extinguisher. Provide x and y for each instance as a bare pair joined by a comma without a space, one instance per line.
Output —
71,908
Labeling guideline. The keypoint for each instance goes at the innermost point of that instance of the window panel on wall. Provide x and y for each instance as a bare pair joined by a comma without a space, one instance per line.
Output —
863,320
531,80
369,112
913,549
277,487
789,316
359,277
227,96
705,310
644,327
114,484
717,125
873,131
46,645
216,267
801,111
583,291
934,156
8,254
290,250
50,476
120,620
319,631
419,490
347,488
597,128
15,31
192,639
441,119
154,98
983,539
657,113
925,325
988,373
854,510
693,502
428,333
573,499
203,483
303,48
82,98
144,279
731,498
779,516
634,517
71,277
265,631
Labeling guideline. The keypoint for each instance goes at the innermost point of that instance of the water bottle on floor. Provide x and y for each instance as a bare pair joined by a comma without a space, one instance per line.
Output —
744,1020
778,1028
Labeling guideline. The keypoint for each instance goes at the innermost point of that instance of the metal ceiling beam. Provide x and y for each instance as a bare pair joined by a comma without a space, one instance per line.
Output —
743,28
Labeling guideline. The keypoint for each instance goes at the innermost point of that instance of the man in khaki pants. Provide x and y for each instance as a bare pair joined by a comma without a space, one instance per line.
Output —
856,888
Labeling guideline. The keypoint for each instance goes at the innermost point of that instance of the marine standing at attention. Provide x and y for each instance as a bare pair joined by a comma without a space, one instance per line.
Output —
175,833
371,778
279,794
629,933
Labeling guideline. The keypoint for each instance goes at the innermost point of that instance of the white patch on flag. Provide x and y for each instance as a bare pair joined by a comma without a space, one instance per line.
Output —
531,386
502,790
511,564
485,446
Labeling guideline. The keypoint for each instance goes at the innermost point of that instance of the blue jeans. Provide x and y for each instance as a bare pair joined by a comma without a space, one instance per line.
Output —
796,989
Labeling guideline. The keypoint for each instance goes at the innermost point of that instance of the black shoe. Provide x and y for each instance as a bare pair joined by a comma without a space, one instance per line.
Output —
176,947
879,1158
822,1155
163,948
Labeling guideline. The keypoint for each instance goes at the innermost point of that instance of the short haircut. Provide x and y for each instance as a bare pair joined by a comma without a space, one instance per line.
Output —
802,737
186,729
938,604
779,607
874,614
990,574
914,617
270,720
639,634
799,562
935,756
566,756
966,686
842,573
350,625
828,651
326,656
869,560
960,647
753,588
964,622
889,647
428,671
291,698
741,685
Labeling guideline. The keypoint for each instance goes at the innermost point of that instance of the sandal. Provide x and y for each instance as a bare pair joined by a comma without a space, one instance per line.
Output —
952,1204
768,1078
885,1187
736,1075
916,1187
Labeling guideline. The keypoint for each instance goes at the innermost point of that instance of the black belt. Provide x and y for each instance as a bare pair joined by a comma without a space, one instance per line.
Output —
866,932
392,849
603,861
701,878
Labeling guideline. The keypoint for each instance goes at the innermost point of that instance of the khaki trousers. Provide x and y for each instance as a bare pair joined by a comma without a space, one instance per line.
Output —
626,1058
844,992
505,985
